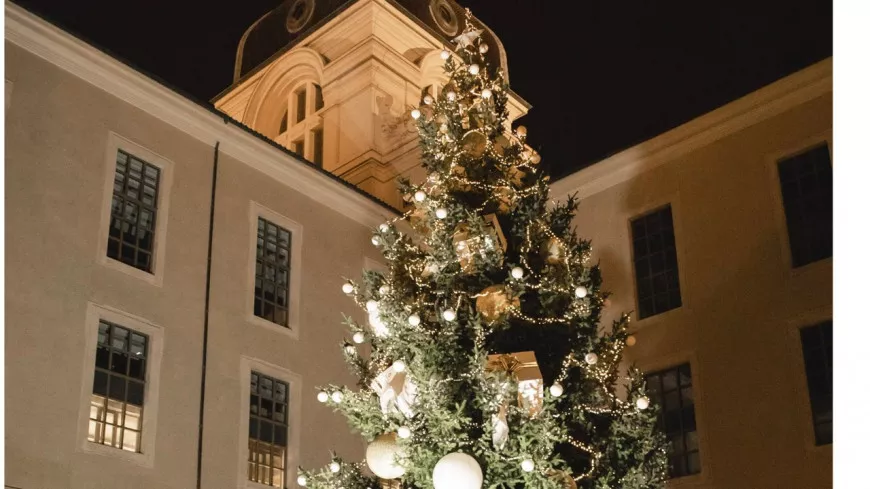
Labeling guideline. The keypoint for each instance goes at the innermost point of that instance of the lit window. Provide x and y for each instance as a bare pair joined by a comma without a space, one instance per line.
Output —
807,187
272,284
672,390
655,263
134,211
118,396
267,430
818,342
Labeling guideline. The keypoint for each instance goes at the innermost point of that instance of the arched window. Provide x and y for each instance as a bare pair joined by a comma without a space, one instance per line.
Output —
303,133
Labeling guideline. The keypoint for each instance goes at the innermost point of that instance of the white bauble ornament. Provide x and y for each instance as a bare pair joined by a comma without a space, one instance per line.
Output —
528,465
301,481
517,272
427,99
419,196
404,432
580,291
337,397
591,358
474,69
414,320
376,241
384,227
445,54
486,93
378,327
381,455
522,131
384,289
335,467
484,47
349,349
322,396
451,96
642,403
372,305
441,213
457,471
359,337
347,288
449,314
399,366
556,389
415,114
631,340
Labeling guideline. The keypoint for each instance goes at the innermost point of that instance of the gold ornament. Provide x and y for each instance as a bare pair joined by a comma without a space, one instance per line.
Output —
468,246
553,251
523,368
474,143
493,302
562,478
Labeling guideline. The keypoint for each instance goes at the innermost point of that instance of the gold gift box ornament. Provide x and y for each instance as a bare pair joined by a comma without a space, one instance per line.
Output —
523,368
467,246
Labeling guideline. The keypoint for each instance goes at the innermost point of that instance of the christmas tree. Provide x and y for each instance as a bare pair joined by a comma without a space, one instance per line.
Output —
485,364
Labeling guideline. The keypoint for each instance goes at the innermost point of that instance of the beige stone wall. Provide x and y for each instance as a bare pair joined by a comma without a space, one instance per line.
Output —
742,301
57,130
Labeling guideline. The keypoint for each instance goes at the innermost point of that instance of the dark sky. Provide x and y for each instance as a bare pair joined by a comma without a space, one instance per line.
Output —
602,75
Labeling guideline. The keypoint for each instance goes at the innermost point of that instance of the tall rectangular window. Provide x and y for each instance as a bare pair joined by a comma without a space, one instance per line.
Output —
317,137
807,187
655,263
272,279
119,388
298,147
817,342
672,390
301,96
267,430
134,211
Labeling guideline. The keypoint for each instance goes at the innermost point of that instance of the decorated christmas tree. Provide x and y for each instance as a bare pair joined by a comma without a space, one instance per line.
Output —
485,364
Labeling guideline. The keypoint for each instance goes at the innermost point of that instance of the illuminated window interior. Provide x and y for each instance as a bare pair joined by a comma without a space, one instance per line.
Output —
267,430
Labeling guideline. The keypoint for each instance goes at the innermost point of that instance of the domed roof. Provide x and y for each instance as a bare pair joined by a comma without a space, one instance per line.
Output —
294,20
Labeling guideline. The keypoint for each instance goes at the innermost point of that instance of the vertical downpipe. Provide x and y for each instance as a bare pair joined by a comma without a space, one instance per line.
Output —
205,316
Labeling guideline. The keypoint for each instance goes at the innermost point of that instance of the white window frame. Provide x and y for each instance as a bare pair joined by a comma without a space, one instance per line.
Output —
95,313
294,380
115,143
256,211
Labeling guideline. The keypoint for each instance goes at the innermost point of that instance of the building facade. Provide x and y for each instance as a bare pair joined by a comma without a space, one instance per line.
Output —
718,235
174,271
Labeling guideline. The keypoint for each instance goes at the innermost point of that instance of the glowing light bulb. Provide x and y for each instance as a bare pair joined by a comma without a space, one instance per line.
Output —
631,340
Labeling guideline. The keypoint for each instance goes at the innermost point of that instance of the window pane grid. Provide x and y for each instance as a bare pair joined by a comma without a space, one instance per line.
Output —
655,263
817,343
267,430
672,390
806,181
118,394
134,211
272,274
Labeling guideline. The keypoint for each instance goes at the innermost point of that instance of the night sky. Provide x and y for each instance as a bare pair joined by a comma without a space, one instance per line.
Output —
601,75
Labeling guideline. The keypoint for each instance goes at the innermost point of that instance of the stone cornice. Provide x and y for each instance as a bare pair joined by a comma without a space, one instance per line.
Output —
765,103
82,60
